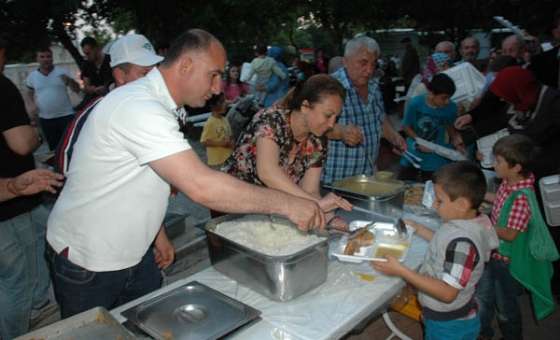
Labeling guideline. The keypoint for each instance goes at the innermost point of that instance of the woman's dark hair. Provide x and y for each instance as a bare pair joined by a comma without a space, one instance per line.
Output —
462,179
441,83
313,90
517,149
228,79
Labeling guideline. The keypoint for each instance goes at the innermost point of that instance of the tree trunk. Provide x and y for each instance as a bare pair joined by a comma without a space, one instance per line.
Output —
66,41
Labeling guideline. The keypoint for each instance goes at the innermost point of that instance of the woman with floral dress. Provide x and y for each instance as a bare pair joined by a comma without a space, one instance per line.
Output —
284,146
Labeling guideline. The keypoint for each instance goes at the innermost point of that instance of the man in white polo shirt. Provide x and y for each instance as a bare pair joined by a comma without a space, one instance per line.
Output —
129,152
47,88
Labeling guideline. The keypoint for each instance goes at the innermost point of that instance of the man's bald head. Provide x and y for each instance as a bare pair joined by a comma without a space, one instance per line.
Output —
193,68
513,46
194,40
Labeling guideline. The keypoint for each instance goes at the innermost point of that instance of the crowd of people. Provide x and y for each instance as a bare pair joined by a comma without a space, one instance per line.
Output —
122,152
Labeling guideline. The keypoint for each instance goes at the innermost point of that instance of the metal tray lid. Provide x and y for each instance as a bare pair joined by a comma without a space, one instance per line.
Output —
362,185
192,311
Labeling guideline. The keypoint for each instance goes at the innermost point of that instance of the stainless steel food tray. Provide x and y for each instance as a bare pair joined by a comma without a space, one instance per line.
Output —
279,278
94,324
388,204
193,311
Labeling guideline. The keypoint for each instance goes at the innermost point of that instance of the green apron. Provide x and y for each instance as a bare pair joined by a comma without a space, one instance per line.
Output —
531,254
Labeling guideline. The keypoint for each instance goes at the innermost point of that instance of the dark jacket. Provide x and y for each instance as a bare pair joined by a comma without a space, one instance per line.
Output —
545,67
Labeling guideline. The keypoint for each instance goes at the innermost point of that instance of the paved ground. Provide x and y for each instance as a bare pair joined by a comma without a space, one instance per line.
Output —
531,330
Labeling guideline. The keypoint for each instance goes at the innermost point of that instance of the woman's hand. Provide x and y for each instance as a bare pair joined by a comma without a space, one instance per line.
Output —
338,223
331,202
462,121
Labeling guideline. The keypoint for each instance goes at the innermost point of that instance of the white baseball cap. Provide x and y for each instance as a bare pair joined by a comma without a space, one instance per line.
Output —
133,49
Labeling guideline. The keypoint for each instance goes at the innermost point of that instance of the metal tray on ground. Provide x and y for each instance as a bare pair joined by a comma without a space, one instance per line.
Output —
96,323
193,311
385,240
279,278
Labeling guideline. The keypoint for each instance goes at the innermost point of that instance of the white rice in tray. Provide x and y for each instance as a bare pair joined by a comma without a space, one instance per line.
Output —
259,233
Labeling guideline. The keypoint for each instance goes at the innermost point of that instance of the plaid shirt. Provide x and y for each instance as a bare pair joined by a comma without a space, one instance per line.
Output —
520,212
461,257
345,161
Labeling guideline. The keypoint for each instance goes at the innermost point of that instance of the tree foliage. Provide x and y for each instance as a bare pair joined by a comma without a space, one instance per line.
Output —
242,23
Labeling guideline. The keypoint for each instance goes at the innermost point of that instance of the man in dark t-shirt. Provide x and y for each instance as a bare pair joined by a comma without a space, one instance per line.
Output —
96,71
23,268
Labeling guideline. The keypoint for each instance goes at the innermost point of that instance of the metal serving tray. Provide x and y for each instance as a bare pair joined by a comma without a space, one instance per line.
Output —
279,278
385,237
193,311
388,204
96,323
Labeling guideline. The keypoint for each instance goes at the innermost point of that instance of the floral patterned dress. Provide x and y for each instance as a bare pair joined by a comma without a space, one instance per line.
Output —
295,157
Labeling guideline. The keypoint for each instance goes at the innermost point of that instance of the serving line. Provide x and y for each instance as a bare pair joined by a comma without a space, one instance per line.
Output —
328,312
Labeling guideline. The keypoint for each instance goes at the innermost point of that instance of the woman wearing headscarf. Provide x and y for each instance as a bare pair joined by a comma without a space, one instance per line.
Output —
536,113
518,102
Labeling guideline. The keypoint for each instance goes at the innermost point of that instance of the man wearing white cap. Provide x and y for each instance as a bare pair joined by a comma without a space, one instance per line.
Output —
132,57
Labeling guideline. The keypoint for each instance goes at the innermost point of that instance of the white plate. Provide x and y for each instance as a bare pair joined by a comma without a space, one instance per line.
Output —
385,236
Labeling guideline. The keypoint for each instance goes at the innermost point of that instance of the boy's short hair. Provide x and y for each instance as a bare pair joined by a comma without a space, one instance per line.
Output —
517,149
441,83
462,179
216,101
261,49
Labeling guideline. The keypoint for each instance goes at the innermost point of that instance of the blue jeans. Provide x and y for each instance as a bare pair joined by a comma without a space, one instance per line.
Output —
22,279
452,330
498,290
78,289
40,215
54,129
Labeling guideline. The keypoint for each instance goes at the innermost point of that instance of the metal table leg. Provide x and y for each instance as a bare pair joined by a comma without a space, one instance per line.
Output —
395,332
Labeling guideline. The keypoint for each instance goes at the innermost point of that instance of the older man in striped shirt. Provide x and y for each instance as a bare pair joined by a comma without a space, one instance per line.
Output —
364,108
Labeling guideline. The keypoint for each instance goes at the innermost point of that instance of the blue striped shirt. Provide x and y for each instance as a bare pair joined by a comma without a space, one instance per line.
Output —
345,161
